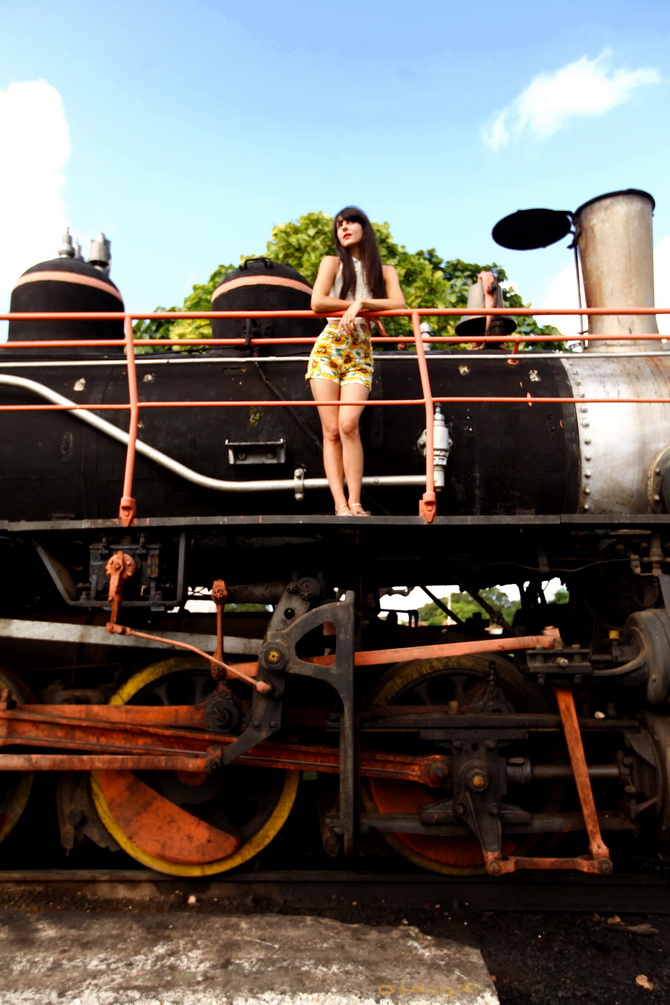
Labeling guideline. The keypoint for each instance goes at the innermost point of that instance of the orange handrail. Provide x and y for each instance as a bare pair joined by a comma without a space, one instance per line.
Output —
127,506
427,506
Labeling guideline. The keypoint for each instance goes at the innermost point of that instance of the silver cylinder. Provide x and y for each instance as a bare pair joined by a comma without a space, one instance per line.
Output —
615,241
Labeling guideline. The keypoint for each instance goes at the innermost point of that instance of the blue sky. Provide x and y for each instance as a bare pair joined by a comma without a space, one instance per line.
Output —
185,131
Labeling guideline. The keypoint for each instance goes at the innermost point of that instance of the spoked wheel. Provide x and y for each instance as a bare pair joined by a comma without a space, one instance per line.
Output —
190,824
461,679
15,786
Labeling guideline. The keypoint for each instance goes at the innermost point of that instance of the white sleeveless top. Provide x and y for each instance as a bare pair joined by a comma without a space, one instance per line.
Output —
361,291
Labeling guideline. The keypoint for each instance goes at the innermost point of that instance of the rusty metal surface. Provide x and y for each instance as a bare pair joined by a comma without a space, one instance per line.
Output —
158,826
568,712
598,862
140,737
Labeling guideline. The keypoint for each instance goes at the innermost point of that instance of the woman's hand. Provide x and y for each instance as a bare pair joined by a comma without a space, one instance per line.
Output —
348,319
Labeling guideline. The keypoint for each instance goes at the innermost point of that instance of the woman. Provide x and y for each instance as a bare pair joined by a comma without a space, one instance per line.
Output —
340,364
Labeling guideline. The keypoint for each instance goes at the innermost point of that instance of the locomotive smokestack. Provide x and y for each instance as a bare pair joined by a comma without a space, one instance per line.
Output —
614,237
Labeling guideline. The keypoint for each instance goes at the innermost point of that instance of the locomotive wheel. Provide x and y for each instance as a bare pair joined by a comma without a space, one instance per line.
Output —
189,824
15,786
437,682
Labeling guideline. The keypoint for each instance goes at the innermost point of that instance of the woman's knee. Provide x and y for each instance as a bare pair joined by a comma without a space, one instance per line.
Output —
349,428
331,432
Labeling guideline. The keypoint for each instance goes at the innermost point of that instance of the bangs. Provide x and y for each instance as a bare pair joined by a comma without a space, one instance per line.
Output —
351,215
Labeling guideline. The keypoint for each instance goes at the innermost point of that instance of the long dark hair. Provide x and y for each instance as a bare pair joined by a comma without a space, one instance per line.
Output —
372,263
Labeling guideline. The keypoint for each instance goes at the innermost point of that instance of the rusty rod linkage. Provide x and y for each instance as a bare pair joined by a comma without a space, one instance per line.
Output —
162,738
599,861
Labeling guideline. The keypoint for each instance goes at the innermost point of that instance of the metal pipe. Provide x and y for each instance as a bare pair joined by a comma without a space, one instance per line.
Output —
547,771
176,467
404,358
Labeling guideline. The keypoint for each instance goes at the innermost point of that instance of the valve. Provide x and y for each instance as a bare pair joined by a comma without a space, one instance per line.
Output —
120,567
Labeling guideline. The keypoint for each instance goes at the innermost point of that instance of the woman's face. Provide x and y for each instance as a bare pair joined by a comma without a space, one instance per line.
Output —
349,232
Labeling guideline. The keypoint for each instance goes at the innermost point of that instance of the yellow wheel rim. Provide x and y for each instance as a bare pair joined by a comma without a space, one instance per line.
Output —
248,848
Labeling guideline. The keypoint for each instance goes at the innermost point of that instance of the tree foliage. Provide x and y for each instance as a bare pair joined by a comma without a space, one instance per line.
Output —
464,606
426,280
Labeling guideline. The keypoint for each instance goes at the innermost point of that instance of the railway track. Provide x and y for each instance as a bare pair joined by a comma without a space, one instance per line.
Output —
319,890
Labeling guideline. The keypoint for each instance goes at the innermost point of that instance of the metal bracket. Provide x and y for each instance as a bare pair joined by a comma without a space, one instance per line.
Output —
256,452
291,621
480,782
570,665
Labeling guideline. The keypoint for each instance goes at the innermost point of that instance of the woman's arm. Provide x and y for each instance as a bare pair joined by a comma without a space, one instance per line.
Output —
323,284
393,301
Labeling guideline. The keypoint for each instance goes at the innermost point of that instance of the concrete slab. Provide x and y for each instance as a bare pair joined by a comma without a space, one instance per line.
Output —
80,958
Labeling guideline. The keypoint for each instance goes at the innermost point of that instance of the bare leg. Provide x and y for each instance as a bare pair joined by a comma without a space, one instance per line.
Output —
328,390
350,437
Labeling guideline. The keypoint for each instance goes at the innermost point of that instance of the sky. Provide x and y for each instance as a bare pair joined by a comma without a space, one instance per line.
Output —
186,131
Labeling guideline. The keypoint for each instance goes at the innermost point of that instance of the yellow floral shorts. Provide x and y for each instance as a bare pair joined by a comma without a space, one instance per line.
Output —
343,357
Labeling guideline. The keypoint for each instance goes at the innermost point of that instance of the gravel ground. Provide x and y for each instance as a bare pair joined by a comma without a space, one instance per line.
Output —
534,958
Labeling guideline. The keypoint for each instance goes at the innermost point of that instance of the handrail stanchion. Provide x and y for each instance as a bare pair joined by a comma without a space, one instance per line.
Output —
428,504
127,506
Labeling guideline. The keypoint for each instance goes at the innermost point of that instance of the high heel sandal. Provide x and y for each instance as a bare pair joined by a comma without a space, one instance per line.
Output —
357,510
343,510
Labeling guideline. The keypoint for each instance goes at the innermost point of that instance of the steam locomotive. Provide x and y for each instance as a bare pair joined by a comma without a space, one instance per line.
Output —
180,737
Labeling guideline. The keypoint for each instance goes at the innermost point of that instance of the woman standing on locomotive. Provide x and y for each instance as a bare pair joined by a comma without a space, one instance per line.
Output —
340,364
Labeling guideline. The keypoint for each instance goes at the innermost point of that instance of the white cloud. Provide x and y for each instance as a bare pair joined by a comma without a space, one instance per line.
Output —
36,149
561,291
587,87
662,282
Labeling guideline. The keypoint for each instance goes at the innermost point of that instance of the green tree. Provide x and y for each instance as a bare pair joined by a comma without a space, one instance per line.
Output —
426,279
464,606
185,328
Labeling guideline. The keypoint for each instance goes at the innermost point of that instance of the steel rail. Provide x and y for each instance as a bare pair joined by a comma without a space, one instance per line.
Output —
395,313
406,358
371,885
61,403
